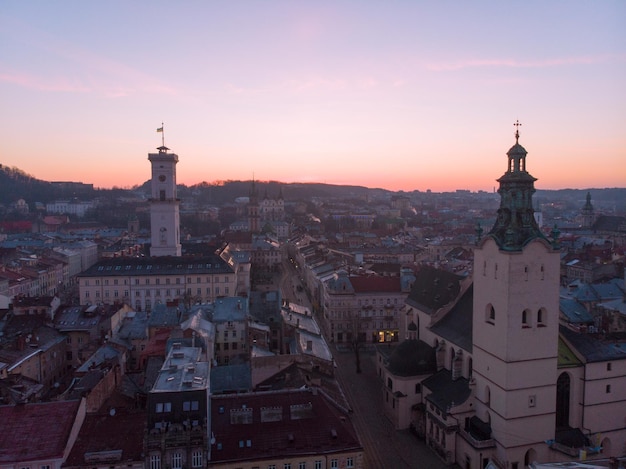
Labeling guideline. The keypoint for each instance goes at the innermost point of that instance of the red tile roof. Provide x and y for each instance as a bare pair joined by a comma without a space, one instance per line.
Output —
375,284
101,433
35,431
280,423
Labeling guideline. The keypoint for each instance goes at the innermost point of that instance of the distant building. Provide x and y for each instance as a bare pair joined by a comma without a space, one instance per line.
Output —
145,282
164,205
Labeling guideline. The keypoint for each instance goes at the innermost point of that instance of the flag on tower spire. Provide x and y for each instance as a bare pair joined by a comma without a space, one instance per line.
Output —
160,129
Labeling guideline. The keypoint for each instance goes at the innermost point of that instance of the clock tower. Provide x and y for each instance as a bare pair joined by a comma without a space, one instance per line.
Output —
164,205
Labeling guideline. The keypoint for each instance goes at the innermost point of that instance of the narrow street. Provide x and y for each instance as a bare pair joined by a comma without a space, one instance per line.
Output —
384,447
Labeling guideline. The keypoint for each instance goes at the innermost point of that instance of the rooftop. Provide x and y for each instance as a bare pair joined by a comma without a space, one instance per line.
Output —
113,437
266,425
36,431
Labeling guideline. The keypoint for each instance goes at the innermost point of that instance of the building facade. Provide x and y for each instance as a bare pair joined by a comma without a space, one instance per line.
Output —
144,282
164,205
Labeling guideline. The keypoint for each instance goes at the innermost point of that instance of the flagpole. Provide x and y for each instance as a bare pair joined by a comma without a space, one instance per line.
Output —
162,134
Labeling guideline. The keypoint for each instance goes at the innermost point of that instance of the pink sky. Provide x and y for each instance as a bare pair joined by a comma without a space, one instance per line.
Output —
404,96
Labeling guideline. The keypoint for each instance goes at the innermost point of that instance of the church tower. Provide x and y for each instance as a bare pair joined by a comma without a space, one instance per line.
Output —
164,205
515,322
588,216
254,217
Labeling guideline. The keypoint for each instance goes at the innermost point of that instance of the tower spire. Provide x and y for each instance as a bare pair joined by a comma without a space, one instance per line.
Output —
516,225
517,125
161,130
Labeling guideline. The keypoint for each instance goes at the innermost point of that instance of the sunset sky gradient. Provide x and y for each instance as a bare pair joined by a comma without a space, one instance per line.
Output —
400,95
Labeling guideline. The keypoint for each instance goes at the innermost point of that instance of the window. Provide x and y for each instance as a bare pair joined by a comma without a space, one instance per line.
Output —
271,466
186,406
608,366
490,314
44,466
159,408
167,407
287,465
525,319
302,465
194,405
334,464
318,464
418,388
541,317
155,461
177,461
234,345
608,388
350,462
196,458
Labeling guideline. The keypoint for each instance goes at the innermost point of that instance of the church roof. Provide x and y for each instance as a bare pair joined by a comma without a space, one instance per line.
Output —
446,392
433,288
412,358
592,347
456,325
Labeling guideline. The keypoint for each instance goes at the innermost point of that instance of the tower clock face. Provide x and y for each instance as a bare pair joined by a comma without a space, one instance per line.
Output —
162,178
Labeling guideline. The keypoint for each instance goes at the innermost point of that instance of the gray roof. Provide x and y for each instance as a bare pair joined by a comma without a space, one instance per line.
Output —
592,347
230,309
182,371
456,325
231,378
130,266
412,358
446,392
574,311
433,289
165,316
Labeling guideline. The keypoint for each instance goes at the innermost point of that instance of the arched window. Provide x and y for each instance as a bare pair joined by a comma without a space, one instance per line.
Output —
541,317
490,314
525,320
452,355
562,400
530,457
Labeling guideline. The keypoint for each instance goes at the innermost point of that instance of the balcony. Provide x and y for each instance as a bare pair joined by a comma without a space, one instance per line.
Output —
476,443
175,438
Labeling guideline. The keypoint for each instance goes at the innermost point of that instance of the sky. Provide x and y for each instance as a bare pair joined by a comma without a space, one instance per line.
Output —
400,95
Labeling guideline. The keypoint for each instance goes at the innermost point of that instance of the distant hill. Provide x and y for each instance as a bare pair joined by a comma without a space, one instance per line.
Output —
16,184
